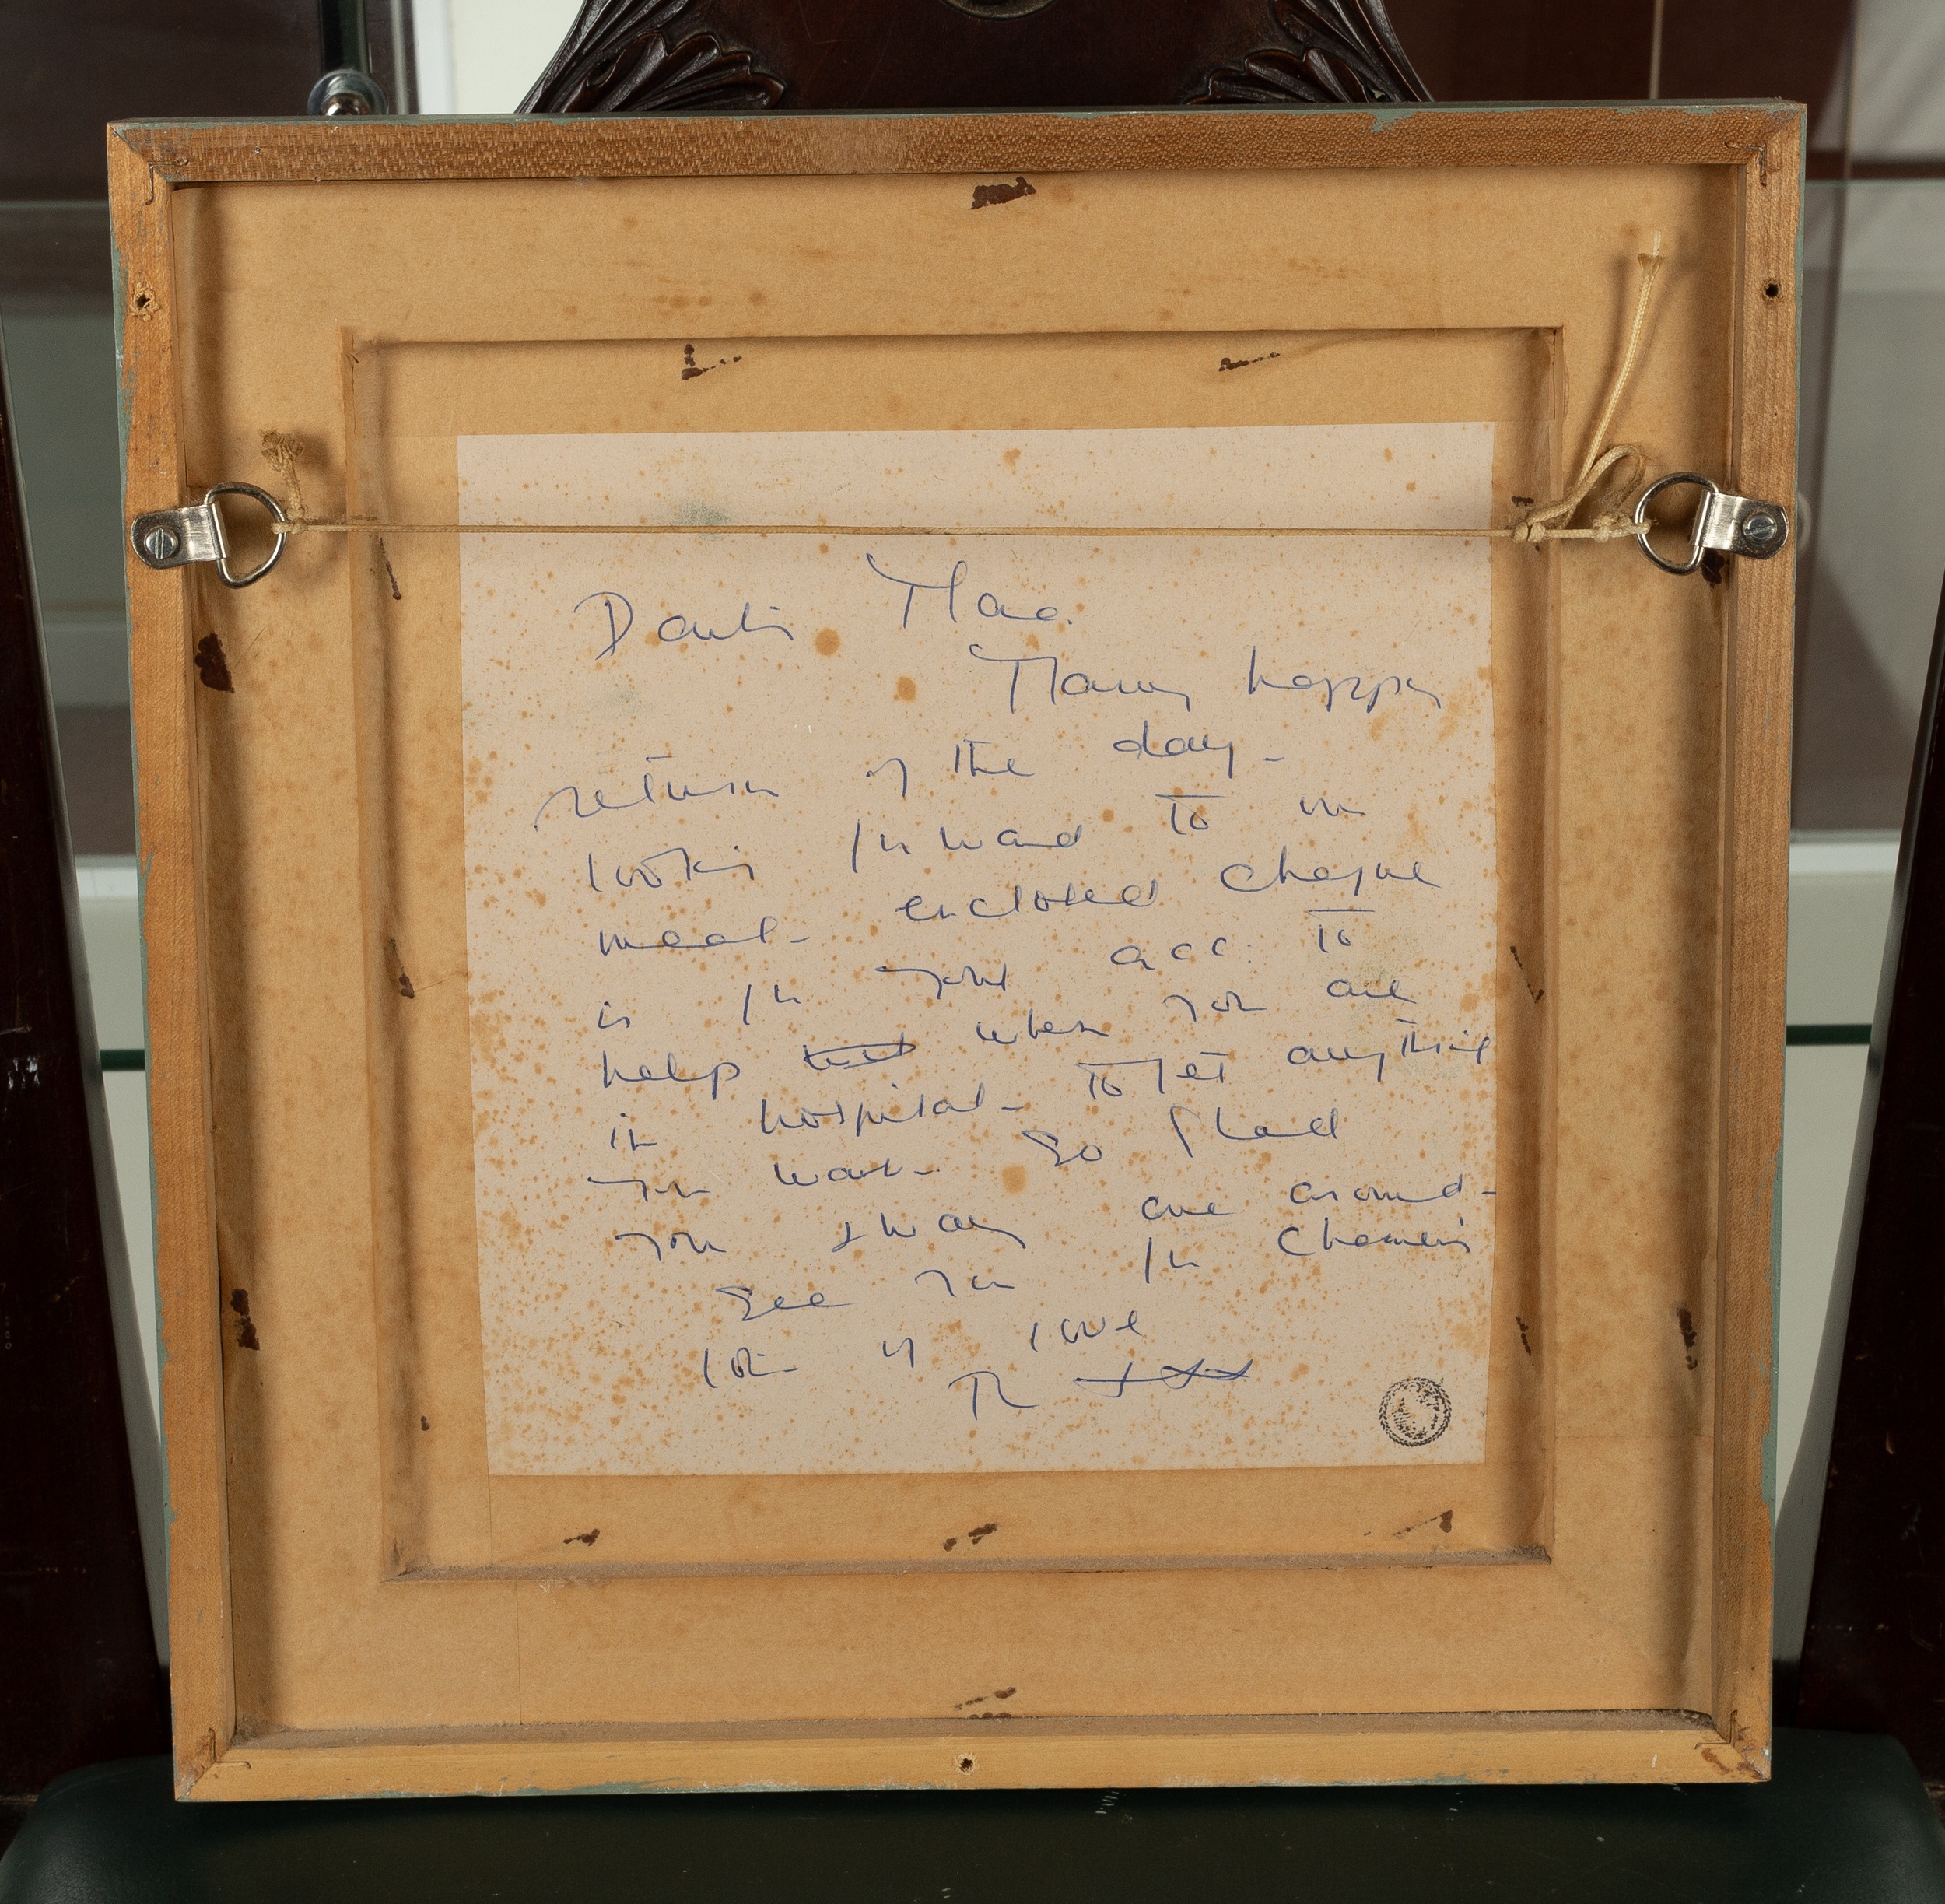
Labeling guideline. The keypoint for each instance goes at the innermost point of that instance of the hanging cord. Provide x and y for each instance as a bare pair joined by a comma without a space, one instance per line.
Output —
1547,521
1537,524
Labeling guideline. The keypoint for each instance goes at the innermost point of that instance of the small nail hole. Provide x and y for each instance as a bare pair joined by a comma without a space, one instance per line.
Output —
965,1765
1772,290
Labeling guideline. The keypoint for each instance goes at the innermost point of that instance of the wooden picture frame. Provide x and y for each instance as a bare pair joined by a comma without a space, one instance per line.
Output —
320,1646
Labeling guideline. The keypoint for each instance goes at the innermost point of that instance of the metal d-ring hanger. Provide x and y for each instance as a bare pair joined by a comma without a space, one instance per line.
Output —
170,538
1732,525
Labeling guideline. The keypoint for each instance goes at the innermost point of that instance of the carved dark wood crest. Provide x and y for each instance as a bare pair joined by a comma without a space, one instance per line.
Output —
1340,52
653,56
622,57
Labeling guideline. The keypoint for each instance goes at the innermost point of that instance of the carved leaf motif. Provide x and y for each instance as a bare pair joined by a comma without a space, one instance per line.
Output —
619,58
1341,52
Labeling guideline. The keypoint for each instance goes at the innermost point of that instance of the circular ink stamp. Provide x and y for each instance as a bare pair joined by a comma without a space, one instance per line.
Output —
1414,1412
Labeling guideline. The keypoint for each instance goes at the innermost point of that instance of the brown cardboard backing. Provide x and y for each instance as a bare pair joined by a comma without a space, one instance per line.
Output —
410,400
324,835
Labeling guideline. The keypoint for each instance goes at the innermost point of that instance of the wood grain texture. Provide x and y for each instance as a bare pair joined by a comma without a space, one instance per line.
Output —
1756,905
1472,1748
779,144
173,942
574,1651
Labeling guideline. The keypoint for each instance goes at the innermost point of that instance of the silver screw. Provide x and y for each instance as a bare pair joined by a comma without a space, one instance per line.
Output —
161,543
349,92
1760,528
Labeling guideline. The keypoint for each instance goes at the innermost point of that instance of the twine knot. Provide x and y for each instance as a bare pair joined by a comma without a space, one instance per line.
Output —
1552,522
283,453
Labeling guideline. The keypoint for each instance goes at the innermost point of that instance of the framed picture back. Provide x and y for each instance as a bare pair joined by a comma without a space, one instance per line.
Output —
959,979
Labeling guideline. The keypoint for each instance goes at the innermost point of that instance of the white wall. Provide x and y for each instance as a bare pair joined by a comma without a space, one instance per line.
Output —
111,938
481,56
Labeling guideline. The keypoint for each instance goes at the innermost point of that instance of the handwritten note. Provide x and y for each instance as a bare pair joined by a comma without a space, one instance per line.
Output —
981,1002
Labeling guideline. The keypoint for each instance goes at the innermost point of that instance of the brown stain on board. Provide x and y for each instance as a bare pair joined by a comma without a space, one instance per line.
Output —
246,1329
984,196
1243,363
980,1698
692,368
586,1540
1444,1520
389,577
975,1535
212,666
1741,1770
1535,996
1686,1322
403,983
1523,1342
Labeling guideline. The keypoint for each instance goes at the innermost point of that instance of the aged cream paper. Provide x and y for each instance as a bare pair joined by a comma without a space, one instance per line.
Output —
981,1002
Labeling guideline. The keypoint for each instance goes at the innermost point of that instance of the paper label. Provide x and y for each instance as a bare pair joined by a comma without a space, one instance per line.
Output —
981,1002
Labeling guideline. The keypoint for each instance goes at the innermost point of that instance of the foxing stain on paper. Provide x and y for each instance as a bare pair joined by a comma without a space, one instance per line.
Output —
1000,1001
